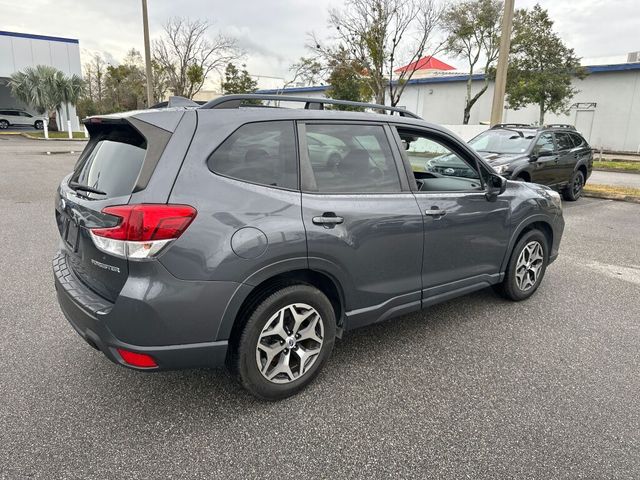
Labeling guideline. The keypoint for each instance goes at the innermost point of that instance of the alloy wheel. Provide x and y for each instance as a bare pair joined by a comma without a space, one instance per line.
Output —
577,185
290,343
529,265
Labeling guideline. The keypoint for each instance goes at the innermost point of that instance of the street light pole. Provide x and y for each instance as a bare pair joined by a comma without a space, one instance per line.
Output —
147,54
500,83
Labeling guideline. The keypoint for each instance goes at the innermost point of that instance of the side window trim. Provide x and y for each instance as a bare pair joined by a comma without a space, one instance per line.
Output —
449,142
307,177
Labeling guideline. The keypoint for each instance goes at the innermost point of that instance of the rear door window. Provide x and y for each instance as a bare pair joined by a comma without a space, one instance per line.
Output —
262,153
564,141
112,161
577,140
355,159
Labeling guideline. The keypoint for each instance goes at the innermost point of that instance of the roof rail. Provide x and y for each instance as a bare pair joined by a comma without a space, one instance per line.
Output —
560,125
512,125
310,103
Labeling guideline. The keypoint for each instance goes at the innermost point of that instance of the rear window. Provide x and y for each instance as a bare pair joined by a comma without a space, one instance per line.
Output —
112,161
262,153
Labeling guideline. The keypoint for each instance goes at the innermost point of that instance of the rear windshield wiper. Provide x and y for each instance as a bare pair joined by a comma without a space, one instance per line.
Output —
86,188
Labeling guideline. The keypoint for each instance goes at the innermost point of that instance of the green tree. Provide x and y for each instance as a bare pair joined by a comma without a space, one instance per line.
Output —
473,34
46,89
238,81
541,66
347,81
69,91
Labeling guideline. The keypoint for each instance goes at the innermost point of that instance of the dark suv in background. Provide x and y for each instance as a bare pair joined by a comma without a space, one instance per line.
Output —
232,233
553,155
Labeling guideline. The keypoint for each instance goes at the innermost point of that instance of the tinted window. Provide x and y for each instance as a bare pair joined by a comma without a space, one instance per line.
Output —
25,114
112,161
429,155
545,142
351,159
564,141
263,153
577,140
503,141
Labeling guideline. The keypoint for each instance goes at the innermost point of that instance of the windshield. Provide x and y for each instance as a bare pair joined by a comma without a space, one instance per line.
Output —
503,141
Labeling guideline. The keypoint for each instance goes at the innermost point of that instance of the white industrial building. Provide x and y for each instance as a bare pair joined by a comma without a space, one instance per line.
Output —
20,50
606,110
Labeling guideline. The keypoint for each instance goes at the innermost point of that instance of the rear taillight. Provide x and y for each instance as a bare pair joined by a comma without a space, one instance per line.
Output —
144,230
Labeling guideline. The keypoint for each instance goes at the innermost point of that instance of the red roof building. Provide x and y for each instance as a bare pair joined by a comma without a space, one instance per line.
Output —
425,66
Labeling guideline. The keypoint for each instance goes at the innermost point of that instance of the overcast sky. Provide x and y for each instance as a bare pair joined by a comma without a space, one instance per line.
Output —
274,32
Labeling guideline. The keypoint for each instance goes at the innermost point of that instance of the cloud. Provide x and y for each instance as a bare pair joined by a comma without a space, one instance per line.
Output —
273,32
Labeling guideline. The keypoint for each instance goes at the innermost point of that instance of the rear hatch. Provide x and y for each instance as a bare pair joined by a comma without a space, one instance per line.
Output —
105,175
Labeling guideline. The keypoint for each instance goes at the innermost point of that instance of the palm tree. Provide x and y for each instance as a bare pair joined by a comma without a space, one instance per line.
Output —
46,89
69,90
35,86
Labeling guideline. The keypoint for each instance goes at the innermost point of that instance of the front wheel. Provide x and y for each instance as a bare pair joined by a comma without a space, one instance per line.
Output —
285,342
574,190
38,125
526,267
4,124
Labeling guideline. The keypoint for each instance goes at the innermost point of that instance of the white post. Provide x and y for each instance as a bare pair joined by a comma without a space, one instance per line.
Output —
69,128
86,132
45,126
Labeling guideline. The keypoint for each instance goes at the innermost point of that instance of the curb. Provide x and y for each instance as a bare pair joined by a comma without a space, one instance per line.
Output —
608,196
614,170
30,137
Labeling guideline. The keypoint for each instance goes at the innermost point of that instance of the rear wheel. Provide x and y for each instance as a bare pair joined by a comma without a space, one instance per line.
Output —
573,191
38,125
4,124
526,267
285,342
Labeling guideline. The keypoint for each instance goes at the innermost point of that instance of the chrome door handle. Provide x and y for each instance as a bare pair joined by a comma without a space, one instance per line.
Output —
435,213
328,220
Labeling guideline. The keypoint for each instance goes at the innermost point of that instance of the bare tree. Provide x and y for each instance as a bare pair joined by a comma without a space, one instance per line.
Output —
473,28
188,54
305,70
376,33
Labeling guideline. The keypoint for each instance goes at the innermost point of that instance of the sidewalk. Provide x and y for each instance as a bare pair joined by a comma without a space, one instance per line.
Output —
618,179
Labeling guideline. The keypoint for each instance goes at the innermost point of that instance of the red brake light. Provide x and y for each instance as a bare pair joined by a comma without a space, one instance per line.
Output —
147,222
137,359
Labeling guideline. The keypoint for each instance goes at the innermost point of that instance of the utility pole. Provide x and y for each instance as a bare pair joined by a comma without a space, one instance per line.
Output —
147,54
500,84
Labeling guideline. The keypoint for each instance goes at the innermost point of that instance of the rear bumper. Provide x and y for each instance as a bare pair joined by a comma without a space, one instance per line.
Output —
90,315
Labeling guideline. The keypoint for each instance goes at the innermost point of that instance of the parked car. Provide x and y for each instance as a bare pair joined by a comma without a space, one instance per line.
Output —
182,247
553,155
19,118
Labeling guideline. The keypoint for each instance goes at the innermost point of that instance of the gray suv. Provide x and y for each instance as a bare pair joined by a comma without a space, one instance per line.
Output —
198,236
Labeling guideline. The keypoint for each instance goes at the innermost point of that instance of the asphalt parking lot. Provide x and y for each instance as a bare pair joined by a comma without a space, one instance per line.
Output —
477,387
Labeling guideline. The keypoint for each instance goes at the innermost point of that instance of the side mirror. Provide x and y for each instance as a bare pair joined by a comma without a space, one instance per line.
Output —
543,152
496,185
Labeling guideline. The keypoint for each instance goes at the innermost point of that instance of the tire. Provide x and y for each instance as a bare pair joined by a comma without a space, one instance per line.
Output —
38,125
286,370
4,124
519,287
573,191
520,178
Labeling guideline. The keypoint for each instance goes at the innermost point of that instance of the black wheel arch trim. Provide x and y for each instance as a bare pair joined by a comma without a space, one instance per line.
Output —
522,226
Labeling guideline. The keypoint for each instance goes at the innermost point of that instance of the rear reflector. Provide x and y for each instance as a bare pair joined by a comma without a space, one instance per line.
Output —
143,230
137,359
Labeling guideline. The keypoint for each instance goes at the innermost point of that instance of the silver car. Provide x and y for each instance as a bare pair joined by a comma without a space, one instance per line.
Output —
20,118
